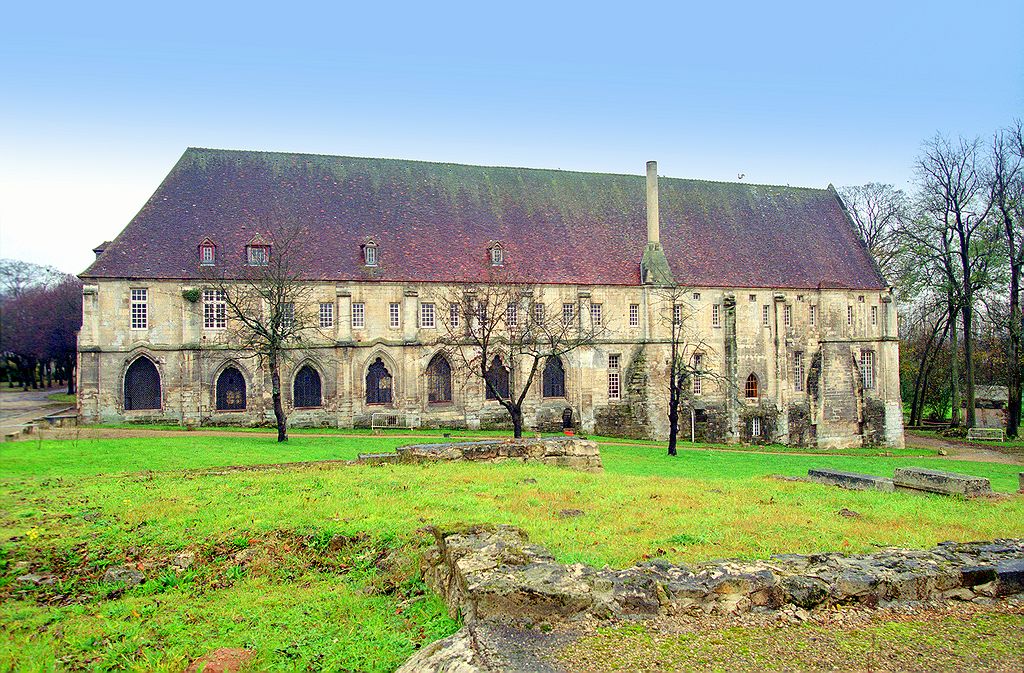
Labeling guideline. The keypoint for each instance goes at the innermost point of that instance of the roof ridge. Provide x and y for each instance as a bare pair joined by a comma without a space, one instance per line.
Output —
638,176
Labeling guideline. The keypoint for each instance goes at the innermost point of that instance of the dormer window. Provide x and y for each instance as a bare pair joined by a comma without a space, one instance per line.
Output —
257,252
497,254
370,253
207,253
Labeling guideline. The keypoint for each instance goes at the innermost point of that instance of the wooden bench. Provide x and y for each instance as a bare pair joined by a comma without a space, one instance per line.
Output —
985,433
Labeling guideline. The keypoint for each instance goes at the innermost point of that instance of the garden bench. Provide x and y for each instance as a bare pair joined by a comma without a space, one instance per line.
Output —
382,420
985,433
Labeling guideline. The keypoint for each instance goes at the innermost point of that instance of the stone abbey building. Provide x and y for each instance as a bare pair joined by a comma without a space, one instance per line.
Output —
796,325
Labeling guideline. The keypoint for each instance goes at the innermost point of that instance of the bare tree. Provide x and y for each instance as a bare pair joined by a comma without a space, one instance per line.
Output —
688,354
1007,188
502,332
880,212
955,194
270,308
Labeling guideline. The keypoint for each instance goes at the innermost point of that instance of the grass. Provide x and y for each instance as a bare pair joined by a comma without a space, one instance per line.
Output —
63,398
335,580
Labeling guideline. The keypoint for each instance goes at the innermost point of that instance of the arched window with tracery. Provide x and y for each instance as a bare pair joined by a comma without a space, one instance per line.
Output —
751,389
141,385
497,376
378,383
439,380
230,390
554,378
306,391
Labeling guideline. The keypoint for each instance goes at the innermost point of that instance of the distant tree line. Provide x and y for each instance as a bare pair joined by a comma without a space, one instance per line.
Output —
40,315
953,249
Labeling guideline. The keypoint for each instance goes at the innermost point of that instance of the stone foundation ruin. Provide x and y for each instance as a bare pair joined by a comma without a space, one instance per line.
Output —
570,452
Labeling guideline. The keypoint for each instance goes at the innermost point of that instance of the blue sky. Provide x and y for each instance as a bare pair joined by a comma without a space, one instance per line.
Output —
97,103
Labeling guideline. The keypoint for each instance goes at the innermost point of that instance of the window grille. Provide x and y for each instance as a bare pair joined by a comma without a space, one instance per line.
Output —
812,316
512,315
874,316
427,316
394,315
538,313
326,314
867,369
568,313
798,371
716,315
595,314
287,315
378,383
141,385
140,308
634,315
696,296
306,392
439,380
554,378
258,255
497,378
370,255
677,314
766,315
207,254
453,315
849,316
215,310
787,315
755,426
497,256
358,315
750,389
230,390
698,363
614,380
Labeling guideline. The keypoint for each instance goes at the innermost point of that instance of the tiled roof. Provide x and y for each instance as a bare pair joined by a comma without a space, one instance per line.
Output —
433,222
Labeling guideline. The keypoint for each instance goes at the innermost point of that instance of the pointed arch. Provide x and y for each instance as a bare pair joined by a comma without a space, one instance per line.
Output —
497,376
142,388
307,388
231,389
554,377
439,379
379,383
752,389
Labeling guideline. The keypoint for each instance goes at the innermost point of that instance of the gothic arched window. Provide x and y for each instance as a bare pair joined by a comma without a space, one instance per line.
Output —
554,378
230,390
497,376
378,383
142,385
751,388
439,380
306,390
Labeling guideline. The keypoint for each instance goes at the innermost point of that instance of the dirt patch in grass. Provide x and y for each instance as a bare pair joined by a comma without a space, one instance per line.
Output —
951,637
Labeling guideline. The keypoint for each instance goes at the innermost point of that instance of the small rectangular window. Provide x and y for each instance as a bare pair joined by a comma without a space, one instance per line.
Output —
867,369
358,315
698,363
812,315
326,314
595,314
766,315
497,256
427,320
634,315
798,371
753,297
716,315
207,255
787,315
614,390
568,313
538,313
394,315
140,308
453,316
287,315
874,316
512,315
258,255
696,296
849,316
677,314
215,315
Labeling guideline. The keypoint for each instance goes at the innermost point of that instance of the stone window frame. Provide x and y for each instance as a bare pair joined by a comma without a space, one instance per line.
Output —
634,315
512,315
370,254
755,426
677,314
439,382
568,313
215,309
849,315
696,296
287,314
787,315
595,314
320,380
698,382
358,315
454,315
614,376
868,369
207,253
139,308
326,314
752,387
812,315
874,316
551,387
716,315
496,254
257,254
428,315
765,315
394,315
798,371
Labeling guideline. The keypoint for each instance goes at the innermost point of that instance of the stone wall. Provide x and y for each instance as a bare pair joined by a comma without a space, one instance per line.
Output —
571,452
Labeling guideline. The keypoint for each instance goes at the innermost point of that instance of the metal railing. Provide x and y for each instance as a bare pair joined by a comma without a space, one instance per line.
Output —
383,420
985,433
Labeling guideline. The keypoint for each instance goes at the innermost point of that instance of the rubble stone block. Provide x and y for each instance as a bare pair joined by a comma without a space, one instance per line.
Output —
946,483
851,480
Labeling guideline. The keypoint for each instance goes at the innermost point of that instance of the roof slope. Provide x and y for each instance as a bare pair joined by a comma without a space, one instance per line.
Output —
433,222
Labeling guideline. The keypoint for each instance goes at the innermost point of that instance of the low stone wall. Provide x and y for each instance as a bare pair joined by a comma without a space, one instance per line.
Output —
496,574
571,452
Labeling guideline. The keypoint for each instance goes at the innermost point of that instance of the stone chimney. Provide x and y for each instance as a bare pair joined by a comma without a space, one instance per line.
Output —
653,221
654,268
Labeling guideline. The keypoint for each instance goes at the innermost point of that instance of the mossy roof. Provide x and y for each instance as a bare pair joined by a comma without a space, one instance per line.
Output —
433,222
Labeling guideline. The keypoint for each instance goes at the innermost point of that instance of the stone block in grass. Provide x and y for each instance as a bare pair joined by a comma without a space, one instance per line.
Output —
946,483
851,480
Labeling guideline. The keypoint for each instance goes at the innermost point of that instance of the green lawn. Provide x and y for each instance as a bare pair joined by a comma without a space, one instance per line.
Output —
334,581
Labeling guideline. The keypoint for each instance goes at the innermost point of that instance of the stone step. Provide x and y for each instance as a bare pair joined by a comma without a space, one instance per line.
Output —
946,483
851,480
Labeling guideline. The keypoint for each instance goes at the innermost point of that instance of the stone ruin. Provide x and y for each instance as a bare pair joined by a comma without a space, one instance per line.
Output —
906,479
571,452
500,582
